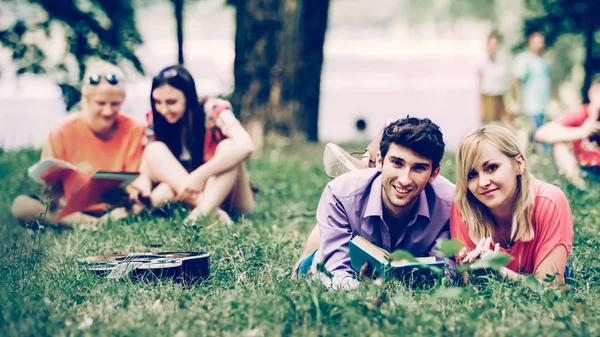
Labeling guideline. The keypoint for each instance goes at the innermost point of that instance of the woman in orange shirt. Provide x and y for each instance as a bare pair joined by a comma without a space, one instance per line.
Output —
97,138
500,207
198,151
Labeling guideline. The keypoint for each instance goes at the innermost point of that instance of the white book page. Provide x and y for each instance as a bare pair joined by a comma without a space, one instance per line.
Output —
46,167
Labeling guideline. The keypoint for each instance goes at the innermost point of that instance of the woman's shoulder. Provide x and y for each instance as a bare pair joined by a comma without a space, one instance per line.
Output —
547,191
214,105
548,198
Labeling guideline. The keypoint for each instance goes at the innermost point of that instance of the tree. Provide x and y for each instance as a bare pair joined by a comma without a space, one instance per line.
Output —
277,67
105,30
580,17
178,7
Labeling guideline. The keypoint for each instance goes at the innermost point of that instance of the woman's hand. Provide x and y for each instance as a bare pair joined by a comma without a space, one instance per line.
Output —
191,189
482,249
139,191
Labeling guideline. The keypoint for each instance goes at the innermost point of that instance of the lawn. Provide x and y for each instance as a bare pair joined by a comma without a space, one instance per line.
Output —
44,292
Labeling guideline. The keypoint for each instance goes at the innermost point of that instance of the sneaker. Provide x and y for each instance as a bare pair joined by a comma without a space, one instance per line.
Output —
335,162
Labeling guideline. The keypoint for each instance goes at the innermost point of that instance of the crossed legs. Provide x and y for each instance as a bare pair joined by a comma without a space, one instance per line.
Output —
231,188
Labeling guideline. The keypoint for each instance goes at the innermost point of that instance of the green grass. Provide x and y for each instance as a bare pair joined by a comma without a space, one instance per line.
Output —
44,292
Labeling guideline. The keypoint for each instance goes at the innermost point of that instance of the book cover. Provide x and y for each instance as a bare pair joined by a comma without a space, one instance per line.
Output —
362,251
81,191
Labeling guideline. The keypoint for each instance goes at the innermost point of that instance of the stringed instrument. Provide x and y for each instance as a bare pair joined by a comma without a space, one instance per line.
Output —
188,267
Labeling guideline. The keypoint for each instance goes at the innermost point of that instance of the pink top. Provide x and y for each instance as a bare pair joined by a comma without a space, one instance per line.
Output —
552,223
586,152
217,120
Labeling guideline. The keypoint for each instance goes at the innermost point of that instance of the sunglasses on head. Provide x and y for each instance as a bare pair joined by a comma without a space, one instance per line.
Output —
110,78
168,73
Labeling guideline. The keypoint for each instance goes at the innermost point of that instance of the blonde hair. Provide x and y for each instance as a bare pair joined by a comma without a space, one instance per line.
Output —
476,215
102,68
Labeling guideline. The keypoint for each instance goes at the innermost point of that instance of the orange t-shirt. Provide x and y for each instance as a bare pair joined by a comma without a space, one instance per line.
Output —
552,223
73,141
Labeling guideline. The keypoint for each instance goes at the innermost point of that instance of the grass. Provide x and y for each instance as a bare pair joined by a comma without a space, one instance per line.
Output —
43,292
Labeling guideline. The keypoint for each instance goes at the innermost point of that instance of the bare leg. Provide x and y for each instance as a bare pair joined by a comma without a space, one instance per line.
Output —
161,165
312,243
241,196
233,183
215,193
161,194
567,165
27,209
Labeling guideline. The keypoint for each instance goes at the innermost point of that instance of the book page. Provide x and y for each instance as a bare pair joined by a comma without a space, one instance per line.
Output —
423,260
49,170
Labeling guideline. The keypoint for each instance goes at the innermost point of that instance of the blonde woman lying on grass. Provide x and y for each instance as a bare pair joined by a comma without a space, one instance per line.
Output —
500,207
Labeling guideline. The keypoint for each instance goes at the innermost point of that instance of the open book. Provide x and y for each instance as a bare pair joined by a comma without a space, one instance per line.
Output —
362,251
81,190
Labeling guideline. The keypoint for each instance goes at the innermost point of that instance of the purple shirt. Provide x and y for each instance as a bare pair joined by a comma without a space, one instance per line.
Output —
352,205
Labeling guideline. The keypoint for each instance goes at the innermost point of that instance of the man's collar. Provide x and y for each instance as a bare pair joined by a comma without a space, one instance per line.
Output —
375,201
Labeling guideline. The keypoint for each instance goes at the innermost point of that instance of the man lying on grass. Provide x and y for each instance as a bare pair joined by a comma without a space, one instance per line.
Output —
400,204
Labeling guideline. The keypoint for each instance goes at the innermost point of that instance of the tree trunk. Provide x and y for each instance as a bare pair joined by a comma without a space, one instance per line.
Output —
277,68
178,6
315,24
257,24
591,63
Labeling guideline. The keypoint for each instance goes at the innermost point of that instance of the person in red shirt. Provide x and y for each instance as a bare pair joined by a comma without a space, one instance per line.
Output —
197,150
97,138
575,137
500,207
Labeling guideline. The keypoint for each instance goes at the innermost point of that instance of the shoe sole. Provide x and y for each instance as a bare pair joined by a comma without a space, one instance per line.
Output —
334,161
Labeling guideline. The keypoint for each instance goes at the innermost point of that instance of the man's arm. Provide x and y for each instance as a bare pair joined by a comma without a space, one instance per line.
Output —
335,233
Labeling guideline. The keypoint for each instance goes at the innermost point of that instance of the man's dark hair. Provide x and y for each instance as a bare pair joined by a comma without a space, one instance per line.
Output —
422,136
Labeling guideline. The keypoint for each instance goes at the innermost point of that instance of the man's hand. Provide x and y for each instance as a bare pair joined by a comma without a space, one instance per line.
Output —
366,271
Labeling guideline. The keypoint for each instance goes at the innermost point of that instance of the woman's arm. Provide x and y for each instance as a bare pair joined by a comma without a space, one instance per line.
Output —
554,263
554,132
231,151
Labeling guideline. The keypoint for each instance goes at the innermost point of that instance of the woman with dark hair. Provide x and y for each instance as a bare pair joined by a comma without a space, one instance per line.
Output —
198,149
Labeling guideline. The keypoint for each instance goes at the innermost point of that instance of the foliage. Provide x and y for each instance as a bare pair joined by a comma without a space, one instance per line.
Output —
92,29
559,17
43,291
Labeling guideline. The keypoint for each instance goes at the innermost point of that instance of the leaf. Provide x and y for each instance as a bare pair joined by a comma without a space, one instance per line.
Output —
461,268
493,261
449,248
448,293
532,283
400,255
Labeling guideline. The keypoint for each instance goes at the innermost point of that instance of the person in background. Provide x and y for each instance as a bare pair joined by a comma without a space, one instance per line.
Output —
575,138
198,150
97,138
500,207
531,89
400,204
492,79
